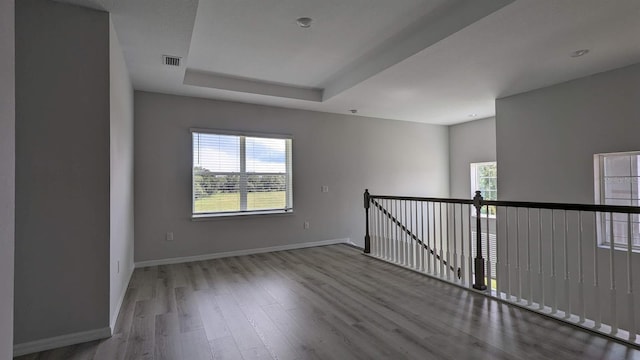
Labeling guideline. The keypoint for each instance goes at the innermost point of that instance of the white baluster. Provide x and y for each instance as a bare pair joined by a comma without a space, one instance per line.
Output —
470,255
434,254
554,300
567,292
441,244
448,264
631,315
596,285
488,247
518,273
507,261
630,302
455,246
612,279
462,259
429,259
530,295
540,262
417,245
403,222
581,273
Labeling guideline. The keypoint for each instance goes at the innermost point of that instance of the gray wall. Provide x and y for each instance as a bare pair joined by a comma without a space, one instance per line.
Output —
547,137
470,142
121,176
346,153
7,175
546,140
62,170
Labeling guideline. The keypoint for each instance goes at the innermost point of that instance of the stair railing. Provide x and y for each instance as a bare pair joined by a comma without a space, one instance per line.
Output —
573,262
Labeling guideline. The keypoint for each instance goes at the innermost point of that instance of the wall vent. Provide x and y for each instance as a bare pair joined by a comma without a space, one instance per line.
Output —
171,60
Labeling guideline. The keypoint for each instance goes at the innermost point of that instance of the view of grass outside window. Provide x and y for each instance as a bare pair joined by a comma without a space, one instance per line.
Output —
240,174
484,178
618,184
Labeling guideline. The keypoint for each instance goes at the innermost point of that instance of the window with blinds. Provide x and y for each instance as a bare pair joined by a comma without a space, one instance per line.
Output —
484,177
618,183
240,173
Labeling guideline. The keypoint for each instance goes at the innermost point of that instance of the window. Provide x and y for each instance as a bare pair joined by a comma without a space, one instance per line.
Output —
237,174
484,177
617,184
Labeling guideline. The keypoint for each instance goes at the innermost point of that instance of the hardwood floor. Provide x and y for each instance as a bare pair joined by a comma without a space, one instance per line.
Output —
323,303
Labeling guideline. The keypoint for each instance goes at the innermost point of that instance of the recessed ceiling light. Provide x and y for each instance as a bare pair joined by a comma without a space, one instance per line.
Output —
304,22
580,52
353,111
473,115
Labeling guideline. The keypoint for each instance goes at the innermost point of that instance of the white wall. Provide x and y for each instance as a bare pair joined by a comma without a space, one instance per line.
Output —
121,176
470,142
7,175
547,137
62,170
346,153
546,140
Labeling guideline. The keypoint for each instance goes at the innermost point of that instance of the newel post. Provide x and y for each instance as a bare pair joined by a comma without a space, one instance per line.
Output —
479,283
367,239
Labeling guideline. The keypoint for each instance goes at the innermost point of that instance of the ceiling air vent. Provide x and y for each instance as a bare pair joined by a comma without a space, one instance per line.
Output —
171,60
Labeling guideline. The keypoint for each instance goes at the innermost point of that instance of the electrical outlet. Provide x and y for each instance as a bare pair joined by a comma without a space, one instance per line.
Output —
170,236
306,224
324,188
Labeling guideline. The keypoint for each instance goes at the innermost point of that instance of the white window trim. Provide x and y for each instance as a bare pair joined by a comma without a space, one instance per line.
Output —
245,213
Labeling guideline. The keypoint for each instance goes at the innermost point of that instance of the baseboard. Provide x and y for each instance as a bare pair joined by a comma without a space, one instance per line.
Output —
353,245
178,260
114,318
60,341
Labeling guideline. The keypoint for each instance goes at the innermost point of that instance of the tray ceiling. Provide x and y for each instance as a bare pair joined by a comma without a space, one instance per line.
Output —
432,61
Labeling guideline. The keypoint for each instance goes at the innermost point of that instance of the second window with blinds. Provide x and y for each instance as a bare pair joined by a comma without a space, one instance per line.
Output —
240,174
484,178
617,182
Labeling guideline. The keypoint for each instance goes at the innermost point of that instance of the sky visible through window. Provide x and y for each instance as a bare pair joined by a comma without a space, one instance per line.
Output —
221,153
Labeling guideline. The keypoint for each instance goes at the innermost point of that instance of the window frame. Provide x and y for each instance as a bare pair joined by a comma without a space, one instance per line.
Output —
243,174
603,229
473,182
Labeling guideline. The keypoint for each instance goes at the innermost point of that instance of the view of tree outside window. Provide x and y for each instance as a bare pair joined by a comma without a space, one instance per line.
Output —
233,173
484,178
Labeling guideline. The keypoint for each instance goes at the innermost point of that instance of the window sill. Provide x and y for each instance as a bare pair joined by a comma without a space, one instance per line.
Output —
607,247
240,215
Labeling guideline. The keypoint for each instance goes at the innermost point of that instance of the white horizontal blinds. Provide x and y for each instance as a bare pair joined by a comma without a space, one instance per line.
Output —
216,173
236,173
620,185
266,173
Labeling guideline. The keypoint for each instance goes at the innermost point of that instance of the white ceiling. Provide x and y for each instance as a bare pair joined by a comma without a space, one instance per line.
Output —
261,40
431,61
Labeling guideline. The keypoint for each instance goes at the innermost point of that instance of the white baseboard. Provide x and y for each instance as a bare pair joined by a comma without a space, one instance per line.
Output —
60,341
178,260
114,318
351,243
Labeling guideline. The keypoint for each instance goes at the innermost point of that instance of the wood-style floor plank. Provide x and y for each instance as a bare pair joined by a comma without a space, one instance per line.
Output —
323,303
225,348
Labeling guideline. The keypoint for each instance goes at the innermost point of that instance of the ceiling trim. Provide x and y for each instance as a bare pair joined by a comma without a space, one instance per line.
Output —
232,83
418,36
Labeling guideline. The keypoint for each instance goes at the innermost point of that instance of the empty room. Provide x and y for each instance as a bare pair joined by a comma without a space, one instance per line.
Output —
355,179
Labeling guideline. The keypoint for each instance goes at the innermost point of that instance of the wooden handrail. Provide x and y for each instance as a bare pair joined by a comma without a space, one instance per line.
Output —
523,204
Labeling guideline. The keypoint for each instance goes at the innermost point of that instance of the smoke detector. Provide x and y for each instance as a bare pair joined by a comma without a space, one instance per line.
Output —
304,22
